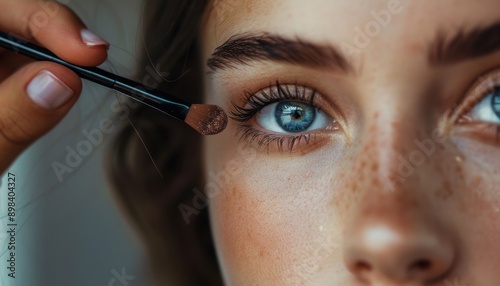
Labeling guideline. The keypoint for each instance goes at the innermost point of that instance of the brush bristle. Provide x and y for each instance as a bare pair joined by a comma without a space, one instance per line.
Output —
206,119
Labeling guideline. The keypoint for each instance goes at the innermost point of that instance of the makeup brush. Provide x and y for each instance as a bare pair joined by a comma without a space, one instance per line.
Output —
205,119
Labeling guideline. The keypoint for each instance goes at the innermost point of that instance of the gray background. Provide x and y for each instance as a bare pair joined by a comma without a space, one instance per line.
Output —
72,232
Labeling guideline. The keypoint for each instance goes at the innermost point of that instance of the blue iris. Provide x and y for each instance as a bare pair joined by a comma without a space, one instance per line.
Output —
295,117
495,102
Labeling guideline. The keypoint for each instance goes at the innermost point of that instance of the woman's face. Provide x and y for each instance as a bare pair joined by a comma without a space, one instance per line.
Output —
365,142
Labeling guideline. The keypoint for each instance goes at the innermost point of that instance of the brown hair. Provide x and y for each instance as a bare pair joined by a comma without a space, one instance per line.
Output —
180,253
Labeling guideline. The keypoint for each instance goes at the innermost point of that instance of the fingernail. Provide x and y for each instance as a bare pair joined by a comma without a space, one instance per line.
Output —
47,91
91,39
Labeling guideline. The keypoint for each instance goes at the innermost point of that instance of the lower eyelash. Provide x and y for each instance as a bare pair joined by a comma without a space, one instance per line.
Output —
264,140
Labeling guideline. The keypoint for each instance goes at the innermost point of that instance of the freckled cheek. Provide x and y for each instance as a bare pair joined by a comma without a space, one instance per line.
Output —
246,240
480,222
253,234
271,219
473,171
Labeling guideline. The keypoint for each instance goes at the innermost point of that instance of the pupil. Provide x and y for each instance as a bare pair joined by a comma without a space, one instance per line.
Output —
294,117
297,114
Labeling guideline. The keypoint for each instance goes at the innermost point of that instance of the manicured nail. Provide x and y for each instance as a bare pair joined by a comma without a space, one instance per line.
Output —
47,91
91,39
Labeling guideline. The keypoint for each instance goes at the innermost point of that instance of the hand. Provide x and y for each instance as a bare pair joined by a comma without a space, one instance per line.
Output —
35,96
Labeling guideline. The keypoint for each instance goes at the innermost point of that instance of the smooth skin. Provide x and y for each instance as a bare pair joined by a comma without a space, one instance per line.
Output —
58,29
334,211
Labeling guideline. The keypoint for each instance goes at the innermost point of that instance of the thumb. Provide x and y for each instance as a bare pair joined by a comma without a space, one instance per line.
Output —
32,101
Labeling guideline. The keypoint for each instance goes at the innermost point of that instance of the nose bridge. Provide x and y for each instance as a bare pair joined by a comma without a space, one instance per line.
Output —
394,145
394,115
393,233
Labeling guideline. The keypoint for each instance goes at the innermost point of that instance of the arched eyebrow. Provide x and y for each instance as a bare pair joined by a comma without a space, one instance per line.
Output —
464,45
242,49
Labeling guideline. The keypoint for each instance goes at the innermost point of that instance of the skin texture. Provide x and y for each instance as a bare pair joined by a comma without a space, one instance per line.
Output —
343,210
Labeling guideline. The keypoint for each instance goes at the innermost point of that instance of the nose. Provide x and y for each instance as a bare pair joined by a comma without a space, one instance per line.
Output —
377,251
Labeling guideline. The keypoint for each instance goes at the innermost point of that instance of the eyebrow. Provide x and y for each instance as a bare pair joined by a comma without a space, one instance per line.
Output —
242,49
464,45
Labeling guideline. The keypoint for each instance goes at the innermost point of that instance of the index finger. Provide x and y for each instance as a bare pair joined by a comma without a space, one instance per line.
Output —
54,26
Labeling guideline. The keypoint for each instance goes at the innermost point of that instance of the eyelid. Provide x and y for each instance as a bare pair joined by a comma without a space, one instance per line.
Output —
319,100
479,90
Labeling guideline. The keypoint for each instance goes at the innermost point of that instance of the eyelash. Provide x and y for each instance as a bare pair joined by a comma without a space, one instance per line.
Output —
261,99
253,103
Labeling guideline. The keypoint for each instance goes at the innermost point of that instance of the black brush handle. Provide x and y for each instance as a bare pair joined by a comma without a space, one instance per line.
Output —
154,98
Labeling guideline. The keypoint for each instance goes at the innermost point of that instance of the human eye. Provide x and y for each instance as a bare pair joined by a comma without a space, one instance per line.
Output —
488,109
292,117
285,118
481,110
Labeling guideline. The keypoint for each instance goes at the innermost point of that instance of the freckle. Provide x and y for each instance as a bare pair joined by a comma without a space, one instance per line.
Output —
372,129
395,125
339,177
458,170
375,166
365,149
363,164
377,115
447,190
396,147
354,186
261,253
476,182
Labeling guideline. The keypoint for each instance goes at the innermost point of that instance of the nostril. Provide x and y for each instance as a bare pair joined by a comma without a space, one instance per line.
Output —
421,265
363,266
398,255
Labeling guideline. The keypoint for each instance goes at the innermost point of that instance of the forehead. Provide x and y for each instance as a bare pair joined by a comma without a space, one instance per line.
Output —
338,21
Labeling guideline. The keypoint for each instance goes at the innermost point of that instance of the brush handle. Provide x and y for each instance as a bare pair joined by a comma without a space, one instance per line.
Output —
154,98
